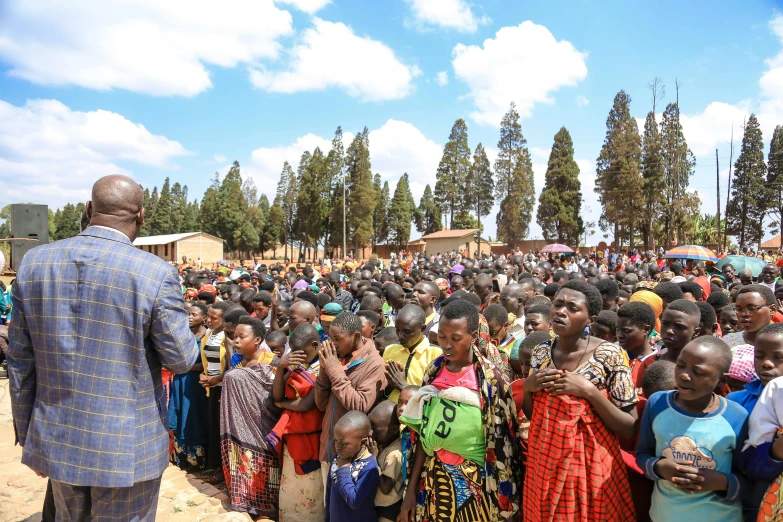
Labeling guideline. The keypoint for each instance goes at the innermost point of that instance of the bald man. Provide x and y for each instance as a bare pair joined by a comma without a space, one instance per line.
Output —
94,321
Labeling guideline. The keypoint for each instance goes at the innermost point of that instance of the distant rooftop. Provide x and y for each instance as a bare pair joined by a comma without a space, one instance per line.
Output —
167,238
451,234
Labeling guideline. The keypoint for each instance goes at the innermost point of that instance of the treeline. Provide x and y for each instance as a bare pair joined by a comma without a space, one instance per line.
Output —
642,184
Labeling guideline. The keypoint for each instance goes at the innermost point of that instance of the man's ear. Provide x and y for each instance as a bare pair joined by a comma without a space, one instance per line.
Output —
140,217
88,209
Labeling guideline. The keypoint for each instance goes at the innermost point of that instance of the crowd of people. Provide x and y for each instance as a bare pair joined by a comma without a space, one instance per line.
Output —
522,387
526,387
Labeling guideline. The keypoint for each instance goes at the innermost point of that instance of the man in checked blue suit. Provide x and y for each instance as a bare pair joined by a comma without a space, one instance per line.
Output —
94,320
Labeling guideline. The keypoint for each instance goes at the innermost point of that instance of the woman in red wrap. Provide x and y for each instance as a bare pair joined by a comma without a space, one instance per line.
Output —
579,397
297,434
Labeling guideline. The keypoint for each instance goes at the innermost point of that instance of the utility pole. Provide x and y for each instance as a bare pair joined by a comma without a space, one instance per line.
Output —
717,180
344,236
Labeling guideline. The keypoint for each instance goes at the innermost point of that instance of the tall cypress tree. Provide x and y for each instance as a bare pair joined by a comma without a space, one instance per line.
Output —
654,183
335,161
285,201
361,198
514,185
678,164
618,175
453,170
479,194
210,208
305,182
179,204
400,214
746,206
428,217
775,176
233,208
560,201
380,214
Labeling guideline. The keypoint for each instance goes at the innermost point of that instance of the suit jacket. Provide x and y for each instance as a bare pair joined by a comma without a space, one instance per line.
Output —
94,319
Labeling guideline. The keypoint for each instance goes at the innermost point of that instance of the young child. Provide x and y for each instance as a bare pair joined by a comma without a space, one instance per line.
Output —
762,462
369,323
605,326
729,322
386,447
765,434
658,377
635,323
296,436
689,437
498,323
679,326
707,323
537,319
283,309
384,338
276,342
353,477
407,435
521,355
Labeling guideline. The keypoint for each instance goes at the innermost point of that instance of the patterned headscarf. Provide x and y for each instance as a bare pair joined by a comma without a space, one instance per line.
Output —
743,363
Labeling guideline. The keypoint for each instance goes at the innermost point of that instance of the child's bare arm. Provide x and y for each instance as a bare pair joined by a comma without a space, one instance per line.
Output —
386,484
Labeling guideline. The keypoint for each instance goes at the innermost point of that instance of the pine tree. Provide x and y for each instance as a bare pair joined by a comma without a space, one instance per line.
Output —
192,220
149,213
479,193
514,185
464,221
210,209
453,170
775,176
428,218
654,183
380,214
179,207
560,202
233,207
305,180
618,176
268,234
746,207
678,164
285,200
400,214
335,161
361,196
161,218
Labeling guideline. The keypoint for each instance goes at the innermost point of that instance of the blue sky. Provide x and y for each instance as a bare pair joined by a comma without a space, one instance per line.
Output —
184,88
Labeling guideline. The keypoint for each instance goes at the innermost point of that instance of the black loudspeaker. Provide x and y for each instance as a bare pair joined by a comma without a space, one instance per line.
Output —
28,222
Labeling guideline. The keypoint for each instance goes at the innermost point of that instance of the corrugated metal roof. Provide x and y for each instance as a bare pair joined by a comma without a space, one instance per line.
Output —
162,240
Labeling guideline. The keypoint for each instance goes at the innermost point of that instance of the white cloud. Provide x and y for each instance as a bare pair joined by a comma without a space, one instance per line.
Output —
450,14
524,64
771,84
158,48
582,101
398,147
52,154
307,6
267,162
712,127
442,78
395,148
332,55
219,158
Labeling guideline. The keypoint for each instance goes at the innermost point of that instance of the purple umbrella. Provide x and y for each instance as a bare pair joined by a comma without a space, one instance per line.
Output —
556,248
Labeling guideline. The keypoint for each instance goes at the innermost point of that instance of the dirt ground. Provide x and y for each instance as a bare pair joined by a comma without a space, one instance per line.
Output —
182,497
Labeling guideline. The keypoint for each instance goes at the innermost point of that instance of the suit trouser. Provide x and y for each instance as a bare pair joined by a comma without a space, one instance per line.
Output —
137,503
48,512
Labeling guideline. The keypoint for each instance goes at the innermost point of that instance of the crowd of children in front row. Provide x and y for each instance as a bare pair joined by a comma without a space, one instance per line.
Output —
524,407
